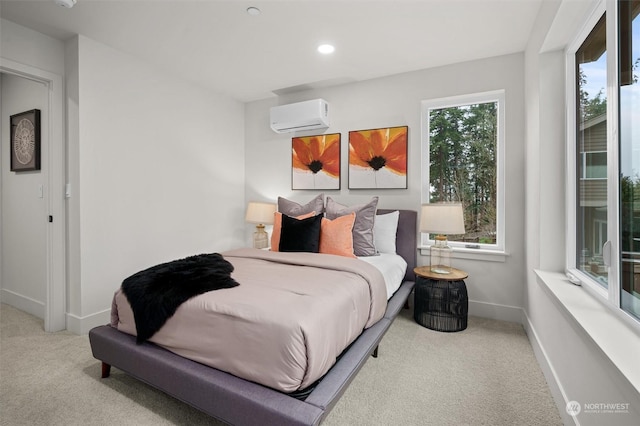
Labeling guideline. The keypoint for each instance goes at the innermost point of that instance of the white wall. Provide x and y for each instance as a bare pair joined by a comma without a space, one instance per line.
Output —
156,167
30,47
495,288
24,263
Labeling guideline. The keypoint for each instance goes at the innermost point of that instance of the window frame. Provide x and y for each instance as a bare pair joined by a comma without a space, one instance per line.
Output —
611,295
497,96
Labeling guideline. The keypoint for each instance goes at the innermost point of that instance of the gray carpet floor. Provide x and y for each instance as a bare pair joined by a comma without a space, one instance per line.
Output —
484,375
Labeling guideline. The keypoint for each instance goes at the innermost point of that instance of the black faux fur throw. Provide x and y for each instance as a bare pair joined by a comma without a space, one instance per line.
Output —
155,293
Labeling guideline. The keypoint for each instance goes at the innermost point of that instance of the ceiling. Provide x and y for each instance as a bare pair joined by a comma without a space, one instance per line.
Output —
217,44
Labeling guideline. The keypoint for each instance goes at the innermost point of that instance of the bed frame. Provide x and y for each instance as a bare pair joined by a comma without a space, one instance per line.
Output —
238,401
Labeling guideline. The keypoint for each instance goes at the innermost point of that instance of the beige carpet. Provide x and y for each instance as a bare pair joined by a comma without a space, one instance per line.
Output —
485,375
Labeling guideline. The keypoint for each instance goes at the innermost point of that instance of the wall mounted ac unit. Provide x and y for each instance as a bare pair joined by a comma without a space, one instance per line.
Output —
307,115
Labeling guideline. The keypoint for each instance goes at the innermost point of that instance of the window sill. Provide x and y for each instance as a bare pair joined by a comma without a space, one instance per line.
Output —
472,254
598,321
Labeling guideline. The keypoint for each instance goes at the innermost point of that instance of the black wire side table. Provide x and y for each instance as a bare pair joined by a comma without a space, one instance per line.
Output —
441,302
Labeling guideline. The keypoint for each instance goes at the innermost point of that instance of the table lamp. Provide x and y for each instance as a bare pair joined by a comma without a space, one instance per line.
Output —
260,214
442,219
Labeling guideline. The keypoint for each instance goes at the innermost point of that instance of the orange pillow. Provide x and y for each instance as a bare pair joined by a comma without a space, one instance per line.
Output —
277,228
336,235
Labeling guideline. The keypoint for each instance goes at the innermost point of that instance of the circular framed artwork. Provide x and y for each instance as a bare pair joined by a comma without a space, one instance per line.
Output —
25,141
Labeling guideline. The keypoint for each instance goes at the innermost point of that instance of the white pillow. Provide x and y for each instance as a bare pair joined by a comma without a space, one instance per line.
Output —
384,232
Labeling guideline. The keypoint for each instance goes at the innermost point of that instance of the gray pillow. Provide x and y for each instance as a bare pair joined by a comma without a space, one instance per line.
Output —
291,208
363,243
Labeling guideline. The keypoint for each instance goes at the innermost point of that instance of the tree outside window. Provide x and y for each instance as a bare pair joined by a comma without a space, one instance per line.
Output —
463,148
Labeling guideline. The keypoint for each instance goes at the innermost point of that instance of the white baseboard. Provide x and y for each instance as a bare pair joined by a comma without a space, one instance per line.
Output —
495,311
75,324
24,303
557,391
82,325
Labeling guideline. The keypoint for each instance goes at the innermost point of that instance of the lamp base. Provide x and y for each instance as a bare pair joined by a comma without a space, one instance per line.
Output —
260,238
440,269
440,256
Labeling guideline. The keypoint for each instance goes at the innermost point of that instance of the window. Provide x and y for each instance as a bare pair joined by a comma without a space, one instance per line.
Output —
594,165
591,140
629,148
604,247
463,152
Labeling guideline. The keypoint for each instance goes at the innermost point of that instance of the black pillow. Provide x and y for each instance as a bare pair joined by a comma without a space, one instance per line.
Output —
300,234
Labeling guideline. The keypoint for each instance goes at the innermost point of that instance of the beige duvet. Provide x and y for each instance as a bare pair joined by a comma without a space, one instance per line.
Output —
283,326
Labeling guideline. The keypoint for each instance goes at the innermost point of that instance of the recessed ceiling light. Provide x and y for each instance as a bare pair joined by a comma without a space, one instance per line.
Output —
65,3
325,49
253,11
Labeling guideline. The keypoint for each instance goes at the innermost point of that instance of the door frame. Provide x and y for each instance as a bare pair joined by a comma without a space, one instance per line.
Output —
55,305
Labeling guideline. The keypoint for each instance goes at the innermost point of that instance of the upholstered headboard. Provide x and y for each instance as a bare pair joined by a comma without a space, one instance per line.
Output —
406,239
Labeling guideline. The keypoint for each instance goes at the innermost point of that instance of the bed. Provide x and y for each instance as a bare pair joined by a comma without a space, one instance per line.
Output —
240,401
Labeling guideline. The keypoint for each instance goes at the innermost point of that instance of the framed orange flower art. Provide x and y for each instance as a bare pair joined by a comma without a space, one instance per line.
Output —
315,162
378,158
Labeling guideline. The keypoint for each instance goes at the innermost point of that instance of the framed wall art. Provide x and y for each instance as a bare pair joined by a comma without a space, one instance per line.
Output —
378,158
315,162
25,141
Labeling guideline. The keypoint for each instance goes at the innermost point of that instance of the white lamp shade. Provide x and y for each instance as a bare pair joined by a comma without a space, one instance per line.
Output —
260,213
442,218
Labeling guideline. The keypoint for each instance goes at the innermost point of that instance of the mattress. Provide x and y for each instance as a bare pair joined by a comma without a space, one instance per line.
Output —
283,326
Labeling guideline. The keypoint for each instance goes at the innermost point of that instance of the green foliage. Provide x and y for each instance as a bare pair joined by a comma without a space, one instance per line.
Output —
462,164
590,107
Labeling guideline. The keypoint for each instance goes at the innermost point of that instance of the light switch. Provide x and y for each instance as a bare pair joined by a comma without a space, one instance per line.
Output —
40,191
67,191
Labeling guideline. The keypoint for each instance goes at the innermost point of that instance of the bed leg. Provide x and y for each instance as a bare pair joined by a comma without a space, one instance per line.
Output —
375,352
106,370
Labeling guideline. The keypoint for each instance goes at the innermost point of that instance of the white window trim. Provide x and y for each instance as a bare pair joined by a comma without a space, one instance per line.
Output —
491,252
609,296
571,177
590,305
613,167
596,321
470,253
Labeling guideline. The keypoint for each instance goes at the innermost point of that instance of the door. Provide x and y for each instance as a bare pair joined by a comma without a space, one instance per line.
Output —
32,255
